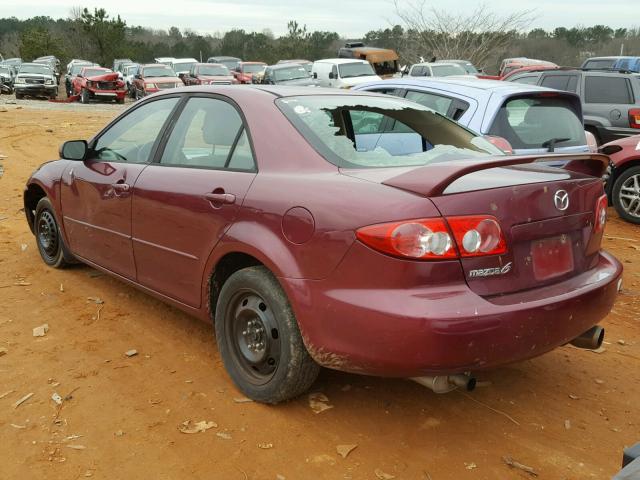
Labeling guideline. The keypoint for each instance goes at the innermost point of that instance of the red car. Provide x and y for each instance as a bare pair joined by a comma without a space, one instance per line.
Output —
244,72
153,78
209,74
98,83
354,231
623,176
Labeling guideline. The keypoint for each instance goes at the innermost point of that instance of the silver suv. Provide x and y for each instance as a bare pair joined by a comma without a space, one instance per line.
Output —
36,80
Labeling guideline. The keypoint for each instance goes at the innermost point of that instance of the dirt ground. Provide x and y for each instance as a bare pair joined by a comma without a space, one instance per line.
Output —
567,414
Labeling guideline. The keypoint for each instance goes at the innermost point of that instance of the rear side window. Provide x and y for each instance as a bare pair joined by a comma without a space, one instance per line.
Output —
420,71
567,83
526,79
603,89
534,122
599,64
435,102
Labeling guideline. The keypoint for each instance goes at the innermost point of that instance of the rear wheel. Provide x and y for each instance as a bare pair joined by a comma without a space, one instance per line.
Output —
84,96
19,96
259,340
50,243
626,195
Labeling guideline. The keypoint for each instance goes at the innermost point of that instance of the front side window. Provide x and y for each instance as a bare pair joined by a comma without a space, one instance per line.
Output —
604,89
535,122
220,70
208,134
369,132
420,71
132,137
567,83
526,79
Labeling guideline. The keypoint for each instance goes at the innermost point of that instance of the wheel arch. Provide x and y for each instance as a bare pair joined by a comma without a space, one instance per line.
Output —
33,193
619,170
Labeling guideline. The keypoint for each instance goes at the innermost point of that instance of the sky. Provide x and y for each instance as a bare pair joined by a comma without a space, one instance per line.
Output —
350,18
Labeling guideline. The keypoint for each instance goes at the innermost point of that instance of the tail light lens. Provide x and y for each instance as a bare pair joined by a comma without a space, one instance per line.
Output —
425,239
601,214
500,142
432,239
478,235
634,117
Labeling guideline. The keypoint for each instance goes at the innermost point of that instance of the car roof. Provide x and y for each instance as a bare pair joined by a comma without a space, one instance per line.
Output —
183,60
210,63
281,66
468,83
340,60
225,58
424,64
34,64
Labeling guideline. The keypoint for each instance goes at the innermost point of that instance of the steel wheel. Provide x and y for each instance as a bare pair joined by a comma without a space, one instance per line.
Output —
253,335
47,235
630,195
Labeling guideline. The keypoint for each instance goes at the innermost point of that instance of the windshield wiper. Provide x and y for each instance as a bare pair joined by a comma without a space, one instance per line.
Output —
551,143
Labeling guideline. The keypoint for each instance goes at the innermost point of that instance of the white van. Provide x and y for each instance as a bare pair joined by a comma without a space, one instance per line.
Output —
343,72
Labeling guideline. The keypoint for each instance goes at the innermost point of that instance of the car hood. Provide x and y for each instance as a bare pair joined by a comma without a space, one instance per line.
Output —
352,81
107,77
301,82
162,80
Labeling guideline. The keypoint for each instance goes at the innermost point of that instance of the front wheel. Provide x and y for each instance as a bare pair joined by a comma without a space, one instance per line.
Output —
626,195
50,243
259,340
84,96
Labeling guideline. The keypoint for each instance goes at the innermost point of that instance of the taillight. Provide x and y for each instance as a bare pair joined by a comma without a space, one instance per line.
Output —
430,239
477,235
500,142
601,214
634,117
424,239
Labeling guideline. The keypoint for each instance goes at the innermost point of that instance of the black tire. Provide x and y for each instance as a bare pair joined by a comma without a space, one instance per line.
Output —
84,96
626,195
19,96
120,101
50,243
259,340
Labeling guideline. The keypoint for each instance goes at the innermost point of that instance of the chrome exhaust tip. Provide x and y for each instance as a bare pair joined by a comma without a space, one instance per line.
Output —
591,339
447,383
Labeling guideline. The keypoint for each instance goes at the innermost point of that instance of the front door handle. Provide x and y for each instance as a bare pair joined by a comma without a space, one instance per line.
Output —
121,187
220,198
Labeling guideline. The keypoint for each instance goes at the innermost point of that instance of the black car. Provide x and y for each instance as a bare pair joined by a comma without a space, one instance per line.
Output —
608,98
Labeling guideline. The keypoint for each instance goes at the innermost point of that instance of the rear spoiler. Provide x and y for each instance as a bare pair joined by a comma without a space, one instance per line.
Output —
441,175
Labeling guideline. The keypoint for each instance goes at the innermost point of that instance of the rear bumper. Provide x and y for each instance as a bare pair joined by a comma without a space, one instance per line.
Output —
442,329
609,134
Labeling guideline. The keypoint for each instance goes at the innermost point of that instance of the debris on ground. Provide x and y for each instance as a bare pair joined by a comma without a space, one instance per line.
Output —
242,400
567,424
77,447
345,450
23,247
96,300
56,398
119,433
61,288
599,381
3,351
470,466
382,475
5,394
265,446
23,399
131,353
196,427
19,427
599,350
621,342
319,402
514,464
223,435
41,331
574,397
22,283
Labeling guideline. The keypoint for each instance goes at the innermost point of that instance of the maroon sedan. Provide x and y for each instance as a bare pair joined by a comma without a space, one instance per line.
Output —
623,176
354,231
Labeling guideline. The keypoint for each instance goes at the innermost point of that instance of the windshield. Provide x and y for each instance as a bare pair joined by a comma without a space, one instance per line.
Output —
41,69
447,70
94,72
75,69
159,71
469,68
230,63
350,70
368,132
536,121
183,66
213,70
253,67
290,73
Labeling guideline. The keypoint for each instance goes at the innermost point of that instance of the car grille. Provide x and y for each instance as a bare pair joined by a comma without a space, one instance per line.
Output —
166,85
34,80
220,82
106,85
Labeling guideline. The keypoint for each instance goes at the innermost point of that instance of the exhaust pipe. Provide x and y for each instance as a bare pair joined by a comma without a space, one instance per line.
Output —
447,383
591,339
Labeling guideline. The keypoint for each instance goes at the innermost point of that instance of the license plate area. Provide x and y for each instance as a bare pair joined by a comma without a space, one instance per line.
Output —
552,257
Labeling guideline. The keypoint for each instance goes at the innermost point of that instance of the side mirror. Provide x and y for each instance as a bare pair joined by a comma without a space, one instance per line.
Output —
74,150
331,76
315,75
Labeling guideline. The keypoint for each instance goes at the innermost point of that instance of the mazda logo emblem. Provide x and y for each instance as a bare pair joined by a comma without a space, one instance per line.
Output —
561,200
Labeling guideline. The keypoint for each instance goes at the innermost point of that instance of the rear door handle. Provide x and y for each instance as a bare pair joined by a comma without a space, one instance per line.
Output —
228,198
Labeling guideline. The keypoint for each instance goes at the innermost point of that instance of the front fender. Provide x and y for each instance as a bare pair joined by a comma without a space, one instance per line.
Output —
47,179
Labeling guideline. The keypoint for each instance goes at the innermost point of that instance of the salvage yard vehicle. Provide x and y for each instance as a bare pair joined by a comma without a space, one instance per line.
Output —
128,74
152,78
230,62
316,238
469,67
73,71
208,74
7,76
244,71
288,74
610,100
433,69
623,177
182,66
383,60
532,119
35,80
98,83
53,62
342,72
625,63
307,64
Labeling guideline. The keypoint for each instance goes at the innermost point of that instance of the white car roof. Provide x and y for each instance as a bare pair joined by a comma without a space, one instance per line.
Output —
339,61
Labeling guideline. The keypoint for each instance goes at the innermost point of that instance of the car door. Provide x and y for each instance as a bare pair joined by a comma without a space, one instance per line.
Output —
185,201
96,193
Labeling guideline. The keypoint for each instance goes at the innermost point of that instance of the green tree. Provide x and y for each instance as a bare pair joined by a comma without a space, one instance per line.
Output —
38,41
108,35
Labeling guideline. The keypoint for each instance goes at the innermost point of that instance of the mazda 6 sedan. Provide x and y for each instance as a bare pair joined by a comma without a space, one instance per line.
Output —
354,231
